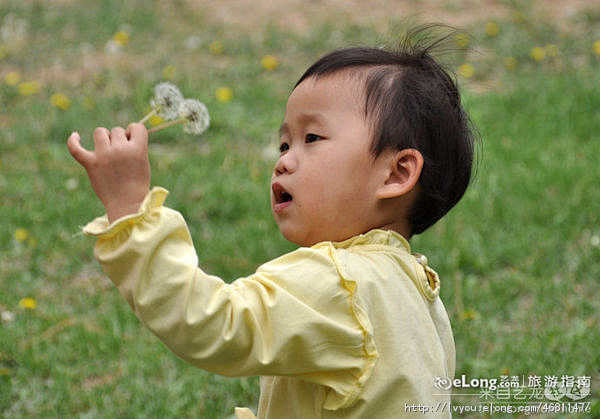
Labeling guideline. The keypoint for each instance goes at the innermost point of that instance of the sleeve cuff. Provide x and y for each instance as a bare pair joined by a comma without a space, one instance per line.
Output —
100,227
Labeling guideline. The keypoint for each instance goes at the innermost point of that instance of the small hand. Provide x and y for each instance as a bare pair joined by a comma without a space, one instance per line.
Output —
118,168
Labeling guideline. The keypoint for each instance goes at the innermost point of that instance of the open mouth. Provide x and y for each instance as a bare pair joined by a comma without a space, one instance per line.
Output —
282,198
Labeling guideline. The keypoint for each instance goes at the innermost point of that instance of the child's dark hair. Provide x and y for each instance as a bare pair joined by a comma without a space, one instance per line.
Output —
413,102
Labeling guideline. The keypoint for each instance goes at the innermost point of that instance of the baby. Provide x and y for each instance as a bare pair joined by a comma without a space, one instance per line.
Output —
374,148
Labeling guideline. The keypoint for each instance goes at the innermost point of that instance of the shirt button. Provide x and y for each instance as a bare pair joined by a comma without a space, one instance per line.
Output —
422,259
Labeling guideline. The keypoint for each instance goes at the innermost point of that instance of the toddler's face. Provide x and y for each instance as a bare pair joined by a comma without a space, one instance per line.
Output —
323,185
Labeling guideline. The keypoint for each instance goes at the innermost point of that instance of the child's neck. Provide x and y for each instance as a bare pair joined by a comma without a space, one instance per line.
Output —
401,227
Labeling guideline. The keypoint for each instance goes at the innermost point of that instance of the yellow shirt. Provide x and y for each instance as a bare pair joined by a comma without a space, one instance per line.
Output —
339,330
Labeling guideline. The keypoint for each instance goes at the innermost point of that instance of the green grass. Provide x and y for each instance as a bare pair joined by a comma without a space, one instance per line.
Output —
519,257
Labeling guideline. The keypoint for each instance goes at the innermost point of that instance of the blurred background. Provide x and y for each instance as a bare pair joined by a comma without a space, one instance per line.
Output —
519,257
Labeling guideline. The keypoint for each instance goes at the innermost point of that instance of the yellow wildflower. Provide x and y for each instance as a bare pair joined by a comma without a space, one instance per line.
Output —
3,51
466,70
551,50
60,101
461,40
492,28
269,62
510,63
21,234
89,102
121,38
12,78
538,53
28,303
518,16
29,88
505,371
224,94
597,47
99,80
156,120
470,314
169,72
216,47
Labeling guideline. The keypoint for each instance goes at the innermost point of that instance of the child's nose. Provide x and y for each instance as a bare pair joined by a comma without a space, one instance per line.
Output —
285,164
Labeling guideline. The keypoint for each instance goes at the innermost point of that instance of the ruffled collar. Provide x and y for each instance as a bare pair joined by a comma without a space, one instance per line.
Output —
375,237
426,279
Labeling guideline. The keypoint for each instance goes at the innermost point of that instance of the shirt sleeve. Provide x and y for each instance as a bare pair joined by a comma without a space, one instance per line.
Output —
296,316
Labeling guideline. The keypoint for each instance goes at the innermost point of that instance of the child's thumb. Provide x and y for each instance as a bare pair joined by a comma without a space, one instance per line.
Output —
79,153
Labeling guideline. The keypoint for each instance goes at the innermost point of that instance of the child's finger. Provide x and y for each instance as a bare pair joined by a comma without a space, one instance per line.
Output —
101,138
79,153
137,132
117,135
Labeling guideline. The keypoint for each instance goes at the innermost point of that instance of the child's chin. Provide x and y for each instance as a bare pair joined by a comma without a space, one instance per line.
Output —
294,236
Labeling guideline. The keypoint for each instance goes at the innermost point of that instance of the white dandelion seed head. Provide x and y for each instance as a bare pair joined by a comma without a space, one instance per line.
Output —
192,42
196,114
13,29
167,100
7,316
112,47
72,184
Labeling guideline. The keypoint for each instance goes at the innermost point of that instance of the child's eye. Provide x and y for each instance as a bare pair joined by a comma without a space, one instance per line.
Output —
283,147
311,138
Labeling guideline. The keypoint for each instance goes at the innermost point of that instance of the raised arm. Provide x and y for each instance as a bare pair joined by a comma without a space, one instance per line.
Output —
295,316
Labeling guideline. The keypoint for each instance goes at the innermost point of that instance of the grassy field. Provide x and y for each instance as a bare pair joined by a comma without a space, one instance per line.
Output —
519,257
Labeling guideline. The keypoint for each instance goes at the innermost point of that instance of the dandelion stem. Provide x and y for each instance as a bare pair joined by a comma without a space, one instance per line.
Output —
147,117
49,333
167,125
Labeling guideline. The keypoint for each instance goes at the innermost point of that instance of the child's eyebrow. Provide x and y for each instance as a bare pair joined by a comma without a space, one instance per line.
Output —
304,119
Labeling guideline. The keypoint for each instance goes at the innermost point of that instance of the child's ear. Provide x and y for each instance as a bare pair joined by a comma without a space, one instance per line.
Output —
402,173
